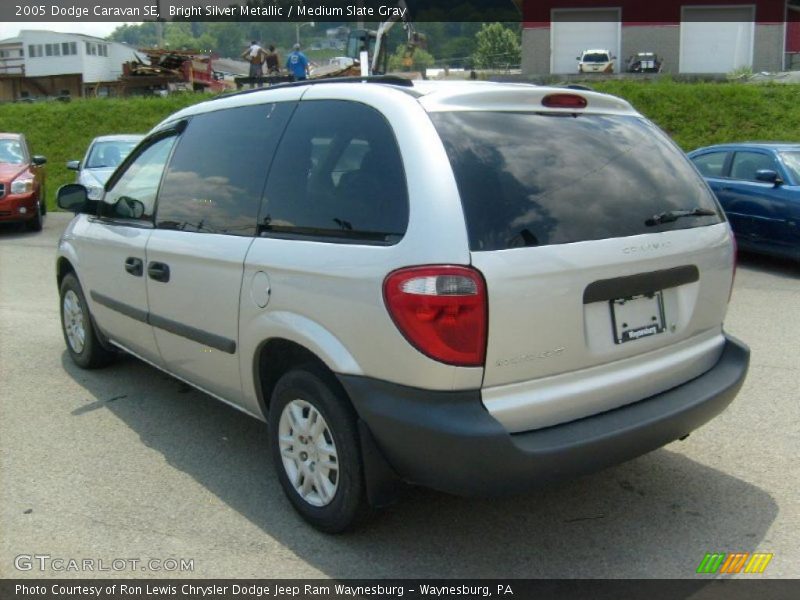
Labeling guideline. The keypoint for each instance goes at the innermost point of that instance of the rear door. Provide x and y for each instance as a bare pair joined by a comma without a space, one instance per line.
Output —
205,223
559,211
713,165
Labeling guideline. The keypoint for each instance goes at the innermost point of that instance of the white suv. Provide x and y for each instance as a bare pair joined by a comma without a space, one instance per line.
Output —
596,61
473,287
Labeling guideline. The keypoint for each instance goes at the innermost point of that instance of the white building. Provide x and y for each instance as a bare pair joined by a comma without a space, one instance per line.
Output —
75,60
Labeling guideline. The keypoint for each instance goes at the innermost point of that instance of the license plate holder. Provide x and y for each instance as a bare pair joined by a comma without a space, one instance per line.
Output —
637,317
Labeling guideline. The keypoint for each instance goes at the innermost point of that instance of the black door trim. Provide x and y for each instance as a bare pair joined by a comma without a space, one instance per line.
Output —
125,309
211,340
206,338
643,283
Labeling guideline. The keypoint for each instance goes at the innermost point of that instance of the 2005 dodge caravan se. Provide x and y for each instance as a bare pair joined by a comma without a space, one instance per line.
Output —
474,287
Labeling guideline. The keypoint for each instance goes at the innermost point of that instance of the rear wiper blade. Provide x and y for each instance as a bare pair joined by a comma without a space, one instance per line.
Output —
674,215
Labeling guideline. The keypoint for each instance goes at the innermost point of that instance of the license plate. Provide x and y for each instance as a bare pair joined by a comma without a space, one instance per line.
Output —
637,317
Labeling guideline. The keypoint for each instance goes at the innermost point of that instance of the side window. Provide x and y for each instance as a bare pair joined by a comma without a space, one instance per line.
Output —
337,174
745,165
711,164
216,177
139,183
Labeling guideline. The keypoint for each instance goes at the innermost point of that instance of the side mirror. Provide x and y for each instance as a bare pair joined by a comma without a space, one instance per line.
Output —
769,176
72,196
38,160
74,165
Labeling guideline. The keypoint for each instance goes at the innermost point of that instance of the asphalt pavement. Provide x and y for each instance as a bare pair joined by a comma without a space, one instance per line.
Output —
127,463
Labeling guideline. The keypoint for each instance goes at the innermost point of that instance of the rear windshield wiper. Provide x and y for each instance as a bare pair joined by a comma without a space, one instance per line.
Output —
674,215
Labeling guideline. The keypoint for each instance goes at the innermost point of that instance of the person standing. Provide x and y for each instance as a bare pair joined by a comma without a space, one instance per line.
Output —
273,62
255,55
297,64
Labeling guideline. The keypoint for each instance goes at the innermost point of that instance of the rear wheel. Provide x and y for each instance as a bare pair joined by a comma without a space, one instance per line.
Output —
79,332
315,448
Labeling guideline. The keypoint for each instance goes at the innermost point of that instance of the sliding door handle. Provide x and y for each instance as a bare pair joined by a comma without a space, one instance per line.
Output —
158,271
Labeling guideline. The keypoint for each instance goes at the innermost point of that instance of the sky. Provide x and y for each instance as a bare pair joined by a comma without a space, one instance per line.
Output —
8,30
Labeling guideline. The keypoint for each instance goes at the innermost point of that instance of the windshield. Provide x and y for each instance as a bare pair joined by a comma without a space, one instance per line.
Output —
11,152
528,179
595,57
791,160
108,154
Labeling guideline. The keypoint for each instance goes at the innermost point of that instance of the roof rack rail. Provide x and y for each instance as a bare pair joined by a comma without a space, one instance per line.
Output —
387,79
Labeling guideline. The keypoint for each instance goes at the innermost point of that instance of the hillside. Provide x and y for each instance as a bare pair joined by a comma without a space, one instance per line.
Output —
694,114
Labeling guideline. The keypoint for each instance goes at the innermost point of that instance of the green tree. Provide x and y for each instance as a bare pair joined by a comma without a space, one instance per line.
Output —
420,61
497,45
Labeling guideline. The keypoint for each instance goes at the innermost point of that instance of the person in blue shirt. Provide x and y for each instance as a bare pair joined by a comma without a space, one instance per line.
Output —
297,64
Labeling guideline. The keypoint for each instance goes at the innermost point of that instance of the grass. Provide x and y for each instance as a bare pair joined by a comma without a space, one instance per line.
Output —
694,114
61,131
700,114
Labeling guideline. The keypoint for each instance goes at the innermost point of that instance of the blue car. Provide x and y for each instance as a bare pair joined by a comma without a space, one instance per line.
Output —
758,185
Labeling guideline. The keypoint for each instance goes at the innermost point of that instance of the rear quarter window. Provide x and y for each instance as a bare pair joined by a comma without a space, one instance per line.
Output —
337,176
530,179
711,164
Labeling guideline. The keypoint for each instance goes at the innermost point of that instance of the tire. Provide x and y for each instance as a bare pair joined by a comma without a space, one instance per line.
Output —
76,324
330,499
43,200
37,222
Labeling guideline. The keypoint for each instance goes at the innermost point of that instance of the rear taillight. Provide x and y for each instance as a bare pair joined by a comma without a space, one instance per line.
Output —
442,311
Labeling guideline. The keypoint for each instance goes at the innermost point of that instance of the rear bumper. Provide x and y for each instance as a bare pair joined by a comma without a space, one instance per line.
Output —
448,441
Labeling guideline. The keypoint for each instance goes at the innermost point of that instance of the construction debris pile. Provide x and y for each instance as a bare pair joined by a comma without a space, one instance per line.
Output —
187,69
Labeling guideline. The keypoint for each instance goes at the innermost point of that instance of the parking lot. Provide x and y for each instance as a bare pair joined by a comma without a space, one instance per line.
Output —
128,463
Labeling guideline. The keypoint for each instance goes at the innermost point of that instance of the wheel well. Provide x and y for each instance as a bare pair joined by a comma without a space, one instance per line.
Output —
63,266
276,358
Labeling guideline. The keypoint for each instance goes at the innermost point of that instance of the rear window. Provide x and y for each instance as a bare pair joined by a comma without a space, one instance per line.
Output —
595,57
529,179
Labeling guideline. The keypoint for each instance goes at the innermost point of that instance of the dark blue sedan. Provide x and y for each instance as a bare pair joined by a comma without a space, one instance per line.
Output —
758,185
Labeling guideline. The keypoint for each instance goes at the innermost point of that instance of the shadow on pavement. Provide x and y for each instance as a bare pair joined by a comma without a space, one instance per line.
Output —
769,264
652,517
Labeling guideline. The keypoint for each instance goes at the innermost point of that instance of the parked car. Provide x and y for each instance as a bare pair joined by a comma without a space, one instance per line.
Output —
644,62
22,183
596,61
375,270
758,185
104,154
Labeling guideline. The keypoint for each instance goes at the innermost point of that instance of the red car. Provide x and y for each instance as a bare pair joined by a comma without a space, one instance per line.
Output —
22,178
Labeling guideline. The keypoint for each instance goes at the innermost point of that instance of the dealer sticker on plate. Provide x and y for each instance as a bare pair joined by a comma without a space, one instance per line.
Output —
637,317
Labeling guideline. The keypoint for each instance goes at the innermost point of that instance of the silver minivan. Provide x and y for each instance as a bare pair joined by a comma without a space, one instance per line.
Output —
473,287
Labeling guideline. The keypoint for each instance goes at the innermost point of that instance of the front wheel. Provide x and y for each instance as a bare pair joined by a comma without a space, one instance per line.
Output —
315,448
76,323
37,222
